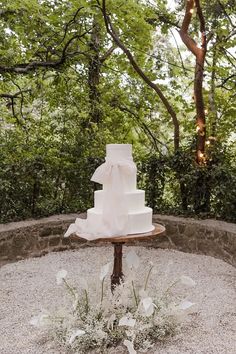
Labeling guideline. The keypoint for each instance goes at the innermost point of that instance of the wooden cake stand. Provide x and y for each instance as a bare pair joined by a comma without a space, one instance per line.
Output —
118,242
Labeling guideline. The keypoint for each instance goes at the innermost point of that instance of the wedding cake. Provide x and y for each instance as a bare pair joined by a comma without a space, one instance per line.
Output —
119,208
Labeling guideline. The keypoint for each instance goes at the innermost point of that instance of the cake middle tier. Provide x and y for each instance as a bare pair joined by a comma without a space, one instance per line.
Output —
138,222
135,201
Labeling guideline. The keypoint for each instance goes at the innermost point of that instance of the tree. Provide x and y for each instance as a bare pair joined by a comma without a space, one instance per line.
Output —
113,33
200,54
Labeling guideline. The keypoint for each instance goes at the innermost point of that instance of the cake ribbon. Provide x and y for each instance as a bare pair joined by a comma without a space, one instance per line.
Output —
114,219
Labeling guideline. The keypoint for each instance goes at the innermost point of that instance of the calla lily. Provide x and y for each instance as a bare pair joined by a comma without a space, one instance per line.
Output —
130,346
148,306
110,322
185,305
185,280
104,271
76,334
60,276
127,321
132,260
40,320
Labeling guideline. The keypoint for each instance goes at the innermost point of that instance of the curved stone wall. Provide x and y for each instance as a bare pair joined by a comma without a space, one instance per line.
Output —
210,237
34,238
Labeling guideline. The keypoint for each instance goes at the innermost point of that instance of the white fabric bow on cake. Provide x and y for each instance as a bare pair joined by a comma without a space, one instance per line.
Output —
114,218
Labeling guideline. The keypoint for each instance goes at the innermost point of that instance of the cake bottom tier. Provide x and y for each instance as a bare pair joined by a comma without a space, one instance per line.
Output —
138,222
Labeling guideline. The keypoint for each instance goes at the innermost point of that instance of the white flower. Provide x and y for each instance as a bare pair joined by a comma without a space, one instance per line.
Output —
60,276
148,306
184,305
75,334
130,346
104,271
110,322
129,332
127,321
40,320
185,280
132,260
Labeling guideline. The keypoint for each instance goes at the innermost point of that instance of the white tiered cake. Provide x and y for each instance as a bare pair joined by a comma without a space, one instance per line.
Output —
119,208
139,216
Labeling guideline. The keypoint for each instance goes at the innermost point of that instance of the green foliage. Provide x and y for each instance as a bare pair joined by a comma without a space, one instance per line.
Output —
43,180
178,185
152,177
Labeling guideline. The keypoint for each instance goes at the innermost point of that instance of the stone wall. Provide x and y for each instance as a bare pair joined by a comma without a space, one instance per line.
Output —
210,237
34,238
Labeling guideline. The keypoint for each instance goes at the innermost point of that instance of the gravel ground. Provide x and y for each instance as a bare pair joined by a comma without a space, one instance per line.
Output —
27,287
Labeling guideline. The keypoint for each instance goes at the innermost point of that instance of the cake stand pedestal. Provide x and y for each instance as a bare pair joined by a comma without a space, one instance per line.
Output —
117,275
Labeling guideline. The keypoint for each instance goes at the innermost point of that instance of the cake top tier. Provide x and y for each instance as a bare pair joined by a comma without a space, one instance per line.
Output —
119,151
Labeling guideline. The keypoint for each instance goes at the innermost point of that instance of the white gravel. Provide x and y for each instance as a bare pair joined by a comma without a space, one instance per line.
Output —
26,287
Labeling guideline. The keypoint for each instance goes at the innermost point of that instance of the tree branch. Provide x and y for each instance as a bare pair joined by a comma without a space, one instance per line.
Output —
14,95
202,25
144,126
183,32
162,18
69,23
22,97
226,13
25,68
11,98
226,80
108,53
181,59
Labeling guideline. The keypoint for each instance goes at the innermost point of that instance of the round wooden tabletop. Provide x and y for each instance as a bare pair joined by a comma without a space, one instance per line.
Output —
158,230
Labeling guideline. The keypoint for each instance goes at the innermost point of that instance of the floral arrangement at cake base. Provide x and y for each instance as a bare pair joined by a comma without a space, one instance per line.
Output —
132,316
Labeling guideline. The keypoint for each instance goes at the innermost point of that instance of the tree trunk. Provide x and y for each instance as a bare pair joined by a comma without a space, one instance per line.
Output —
212,102
200,53
202,192
200,110
94,74
183,194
